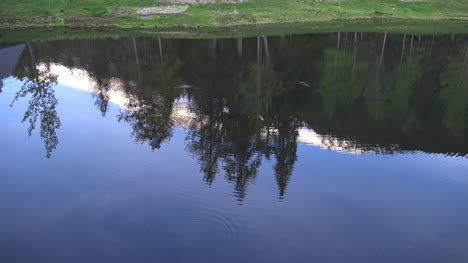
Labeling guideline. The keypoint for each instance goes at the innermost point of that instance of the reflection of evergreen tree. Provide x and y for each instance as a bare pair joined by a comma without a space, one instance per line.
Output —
227,139
226,143
204,145
285,146
455,95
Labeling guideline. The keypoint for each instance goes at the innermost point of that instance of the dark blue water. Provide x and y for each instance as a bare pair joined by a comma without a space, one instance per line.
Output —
316,148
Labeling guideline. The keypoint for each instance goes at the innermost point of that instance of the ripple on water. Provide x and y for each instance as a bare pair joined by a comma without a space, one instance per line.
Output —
202,212
229,226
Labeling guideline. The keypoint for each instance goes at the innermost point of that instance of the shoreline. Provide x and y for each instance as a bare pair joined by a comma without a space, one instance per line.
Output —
416,26
4,28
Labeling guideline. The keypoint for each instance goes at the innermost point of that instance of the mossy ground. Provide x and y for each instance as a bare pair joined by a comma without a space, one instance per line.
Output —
121,13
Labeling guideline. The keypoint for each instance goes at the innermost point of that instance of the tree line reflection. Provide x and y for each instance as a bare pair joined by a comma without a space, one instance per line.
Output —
246,100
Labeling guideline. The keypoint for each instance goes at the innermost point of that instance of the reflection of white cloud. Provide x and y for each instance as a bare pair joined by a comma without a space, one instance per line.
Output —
182,116
81,80
310,137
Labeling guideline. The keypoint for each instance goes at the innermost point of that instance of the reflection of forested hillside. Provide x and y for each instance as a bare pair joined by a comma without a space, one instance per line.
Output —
369,92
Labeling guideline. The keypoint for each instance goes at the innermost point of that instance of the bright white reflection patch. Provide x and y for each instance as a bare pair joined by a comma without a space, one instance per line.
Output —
81,80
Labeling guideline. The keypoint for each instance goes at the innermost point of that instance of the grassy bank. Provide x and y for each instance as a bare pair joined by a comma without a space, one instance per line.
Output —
122,13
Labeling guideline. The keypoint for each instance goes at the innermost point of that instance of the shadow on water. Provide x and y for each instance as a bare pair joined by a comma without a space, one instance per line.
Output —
243,100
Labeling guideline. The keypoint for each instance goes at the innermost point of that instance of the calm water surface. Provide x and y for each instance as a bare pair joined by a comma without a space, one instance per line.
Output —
344,147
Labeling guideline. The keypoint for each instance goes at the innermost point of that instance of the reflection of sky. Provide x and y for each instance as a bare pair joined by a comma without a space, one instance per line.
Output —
9,56
103,198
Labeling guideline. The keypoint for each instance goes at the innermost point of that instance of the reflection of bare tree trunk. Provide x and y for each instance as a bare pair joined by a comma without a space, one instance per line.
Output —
33,61
282,38
411,45
213,47
354,58
403,49
338,41
401,58
267,50
239,46
336,56
462,73
466,55
345,41
136,59
258,50
259,61
383,50
432,43
135,50
160,48
144,51
354,55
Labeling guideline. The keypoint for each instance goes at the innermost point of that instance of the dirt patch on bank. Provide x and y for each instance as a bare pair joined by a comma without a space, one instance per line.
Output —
172,9
83,20
234,18
330,0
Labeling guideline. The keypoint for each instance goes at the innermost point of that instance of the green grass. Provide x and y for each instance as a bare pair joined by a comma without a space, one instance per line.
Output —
121,13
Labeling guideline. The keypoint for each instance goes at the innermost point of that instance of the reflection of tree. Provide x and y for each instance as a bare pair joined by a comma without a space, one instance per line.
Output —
246,120
384,94
151,103
102,95
378,93
227,140
205,140
241,163
42,105
285,149
339,85
150,121
455,95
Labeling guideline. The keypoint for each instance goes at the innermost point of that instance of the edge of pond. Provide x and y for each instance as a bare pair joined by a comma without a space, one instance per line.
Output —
416,26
